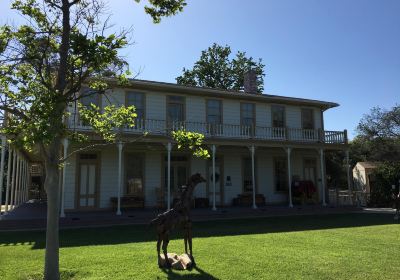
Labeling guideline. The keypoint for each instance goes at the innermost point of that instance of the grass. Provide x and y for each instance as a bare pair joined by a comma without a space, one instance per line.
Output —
337,246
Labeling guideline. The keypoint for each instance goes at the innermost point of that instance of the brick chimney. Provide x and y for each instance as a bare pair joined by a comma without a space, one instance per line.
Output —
250,82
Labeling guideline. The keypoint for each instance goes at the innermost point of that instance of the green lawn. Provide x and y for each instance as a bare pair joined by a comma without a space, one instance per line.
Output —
340,246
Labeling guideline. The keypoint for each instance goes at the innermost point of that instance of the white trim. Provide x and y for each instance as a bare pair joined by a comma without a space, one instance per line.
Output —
289,151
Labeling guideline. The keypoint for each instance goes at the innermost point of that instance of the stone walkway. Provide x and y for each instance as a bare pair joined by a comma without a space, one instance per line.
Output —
32,215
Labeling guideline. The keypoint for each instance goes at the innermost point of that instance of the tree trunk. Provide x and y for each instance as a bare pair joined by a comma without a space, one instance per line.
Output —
51,270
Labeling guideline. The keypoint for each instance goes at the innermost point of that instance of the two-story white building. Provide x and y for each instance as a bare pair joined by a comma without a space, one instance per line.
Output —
260,144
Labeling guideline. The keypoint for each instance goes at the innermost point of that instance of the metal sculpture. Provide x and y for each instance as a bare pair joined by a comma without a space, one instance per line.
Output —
179,215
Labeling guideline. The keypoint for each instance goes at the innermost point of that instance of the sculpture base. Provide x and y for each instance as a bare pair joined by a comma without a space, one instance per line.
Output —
181,262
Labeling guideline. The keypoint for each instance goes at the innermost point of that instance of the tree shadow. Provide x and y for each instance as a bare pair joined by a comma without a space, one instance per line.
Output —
140,233
171,274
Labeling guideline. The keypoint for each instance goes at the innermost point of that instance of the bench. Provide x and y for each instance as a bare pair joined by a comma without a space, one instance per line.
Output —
128,202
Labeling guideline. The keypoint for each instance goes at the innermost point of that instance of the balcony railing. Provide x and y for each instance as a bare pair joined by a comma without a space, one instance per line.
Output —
162,127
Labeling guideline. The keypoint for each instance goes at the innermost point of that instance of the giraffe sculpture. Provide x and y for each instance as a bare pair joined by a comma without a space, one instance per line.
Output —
179,215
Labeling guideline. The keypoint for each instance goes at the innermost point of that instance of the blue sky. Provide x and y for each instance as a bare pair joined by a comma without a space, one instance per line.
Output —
342,51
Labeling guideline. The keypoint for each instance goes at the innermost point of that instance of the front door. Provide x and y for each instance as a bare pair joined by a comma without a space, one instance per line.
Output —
310,170
179,174
87,188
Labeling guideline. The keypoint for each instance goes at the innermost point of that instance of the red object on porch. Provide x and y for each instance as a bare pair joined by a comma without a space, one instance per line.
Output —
306,188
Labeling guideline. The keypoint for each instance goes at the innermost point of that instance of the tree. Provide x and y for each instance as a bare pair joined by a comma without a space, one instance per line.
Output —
43,65
380,123
378,136
215,69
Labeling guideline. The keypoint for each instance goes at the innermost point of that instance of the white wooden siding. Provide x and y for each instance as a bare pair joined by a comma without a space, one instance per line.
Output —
293,117
317,118
263,115
231,114
155,106
109,175
113,97
195,109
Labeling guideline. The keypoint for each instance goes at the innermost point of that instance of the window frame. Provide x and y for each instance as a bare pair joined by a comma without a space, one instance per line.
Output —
243,159
220,101
143,101
312,116
284,115
253,126
143,167
275,159
183,103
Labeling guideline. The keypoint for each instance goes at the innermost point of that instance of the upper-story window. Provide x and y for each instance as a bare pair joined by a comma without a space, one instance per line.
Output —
278,116
247,113
175,108
307,118
214,111
136,99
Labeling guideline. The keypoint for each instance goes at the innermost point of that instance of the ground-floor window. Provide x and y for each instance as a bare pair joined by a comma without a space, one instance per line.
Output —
247,175
280,174
134,174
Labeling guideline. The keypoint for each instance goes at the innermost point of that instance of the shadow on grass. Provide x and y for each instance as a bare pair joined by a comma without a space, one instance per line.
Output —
139,233
171,274
64,275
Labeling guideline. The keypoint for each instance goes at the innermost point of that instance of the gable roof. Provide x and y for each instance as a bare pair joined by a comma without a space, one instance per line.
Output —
211,92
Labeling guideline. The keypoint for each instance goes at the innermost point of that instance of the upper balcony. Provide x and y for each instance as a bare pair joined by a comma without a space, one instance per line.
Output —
228,131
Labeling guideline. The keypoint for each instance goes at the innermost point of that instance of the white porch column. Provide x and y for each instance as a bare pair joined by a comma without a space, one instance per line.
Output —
253,176
18,181
65,144
23,191
289,151
169,148
348,171
322,163
120,146
12,201
213,149
10,159
26,182
3,156
22,188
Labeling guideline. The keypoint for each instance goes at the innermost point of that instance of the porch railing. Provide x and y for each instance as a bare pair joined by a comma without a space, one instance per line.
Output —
162,127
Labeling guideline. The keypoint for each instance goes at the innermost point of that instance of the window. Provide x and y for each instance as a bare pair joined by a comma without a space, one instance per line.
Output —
247,113
247,175
134,170
280,174
278,116
136,99
214,111
88,97
307,118
214,116
175,109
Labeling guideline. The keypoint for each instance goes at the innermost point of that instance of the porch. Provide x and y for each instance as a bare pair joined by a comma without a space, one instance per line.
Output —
31,215
155,127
